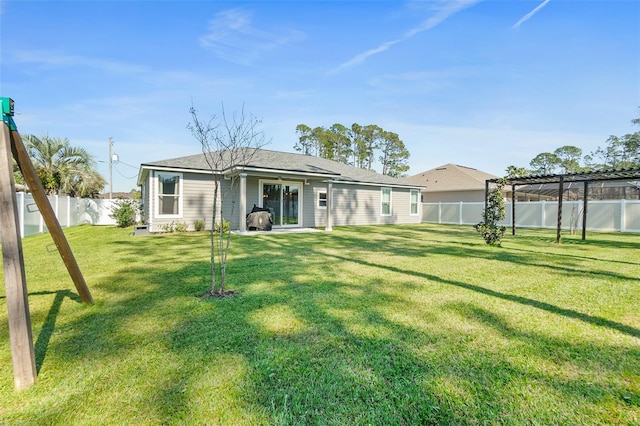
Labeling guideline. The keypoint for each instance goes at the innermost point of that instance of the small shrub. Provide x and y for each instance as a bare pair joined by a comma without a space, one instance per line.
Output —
124,212
174,227
198,225
226,226
168,227
181,227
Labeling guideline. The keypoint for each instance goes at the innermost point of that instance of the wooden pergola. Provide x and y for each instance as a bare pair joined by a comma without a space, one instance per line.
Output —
584,177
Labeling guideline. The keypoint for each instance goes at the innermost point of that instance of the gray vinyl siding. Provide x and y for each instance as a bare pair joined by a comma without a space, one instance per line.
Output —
352,204
312,215
253,193
361,205
197,199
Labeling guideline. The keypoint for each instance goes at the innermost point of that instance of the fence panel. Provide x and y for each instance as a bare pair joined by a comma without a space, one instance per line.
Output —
607,215
69,211
632,217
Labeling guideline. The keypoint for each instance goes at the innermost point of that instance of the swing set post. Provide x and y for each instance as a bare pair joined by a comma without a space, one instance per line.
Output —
13,260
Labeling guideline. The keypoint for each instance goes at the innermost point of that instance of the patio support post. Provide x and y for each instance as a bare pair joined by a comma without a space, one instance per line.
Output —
584,210
243,203
560,196
329,225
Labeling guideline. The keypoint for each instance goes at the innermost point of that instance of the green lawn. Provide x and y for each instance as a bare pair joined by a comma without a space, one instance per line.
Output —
364,325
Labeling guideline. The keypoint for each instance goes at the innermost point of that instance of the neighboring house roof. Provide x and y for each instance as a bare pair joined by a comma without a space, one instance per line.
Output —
452,177
263,160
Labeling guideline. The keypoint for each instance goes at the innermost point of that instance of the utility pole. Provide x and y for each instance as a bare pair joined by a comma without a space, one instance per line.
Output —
110,169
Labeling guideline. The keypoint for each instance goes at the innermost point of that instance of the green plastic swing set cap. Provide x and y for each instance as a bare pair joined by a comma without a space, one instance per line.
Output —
7,106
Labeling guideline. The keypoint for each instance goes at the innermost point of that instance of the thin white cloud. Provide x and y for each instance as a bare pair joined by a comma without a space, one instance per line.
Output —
441,10
295,94
530,14
233,37
56,59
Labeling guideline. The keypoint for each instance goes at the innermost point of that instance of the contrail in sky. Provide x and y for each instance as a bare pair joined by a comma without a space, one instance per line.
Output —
446,10
530,14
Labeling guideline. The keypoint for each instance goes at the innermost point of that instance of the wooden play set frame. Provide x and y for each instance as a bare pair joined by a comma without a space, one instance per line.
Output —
22,349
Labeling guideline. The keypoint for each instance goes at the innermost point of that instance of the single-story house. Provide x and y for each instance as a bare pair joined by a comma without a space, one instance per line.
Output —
452,183
299,191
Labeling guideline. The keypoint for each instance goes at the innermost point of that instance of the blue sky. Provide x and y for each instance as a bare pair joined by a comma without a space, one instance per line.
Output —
484,84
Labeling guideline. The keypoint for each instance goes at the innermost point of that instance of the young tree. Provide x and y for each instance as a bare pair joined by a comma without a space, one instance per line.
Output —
492,214
227,142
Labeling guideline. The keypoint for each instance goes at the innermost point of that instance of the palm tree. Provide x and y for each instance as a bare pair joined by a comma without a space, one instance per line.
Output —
63,168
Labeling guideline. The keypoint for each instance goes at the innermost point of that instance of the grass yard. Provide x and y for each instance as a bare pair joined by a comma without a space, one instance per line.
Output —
378,325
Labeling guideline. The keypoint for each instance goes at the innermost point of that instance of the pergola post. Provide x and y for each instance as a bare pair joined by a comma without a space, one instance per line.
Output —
513,210
584,210
486,194
560,196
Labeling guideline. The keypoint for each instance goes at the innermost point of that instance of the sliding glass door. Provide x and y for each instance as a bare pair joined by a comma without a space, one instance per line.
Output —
282,200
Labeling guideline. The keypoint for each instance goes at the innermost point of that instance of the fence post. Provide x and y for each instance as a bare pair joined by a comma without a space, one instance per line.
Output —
56,198
440,212
623,216
542,215
460,214
20,200
68,211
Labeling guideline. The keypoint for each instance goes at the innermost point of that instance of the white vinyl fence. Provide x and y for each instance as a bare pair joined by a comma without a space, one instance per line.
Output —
607,215
69,211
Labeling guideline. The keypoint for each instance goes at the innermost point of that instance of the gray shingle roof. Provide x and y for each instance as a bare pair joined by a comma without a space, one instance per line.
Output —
290,162
451,177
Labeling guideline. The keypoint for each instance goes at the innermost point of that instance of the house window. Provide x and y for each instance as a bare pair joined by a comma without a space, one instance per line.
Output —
169,188
414,202
386,202
322,200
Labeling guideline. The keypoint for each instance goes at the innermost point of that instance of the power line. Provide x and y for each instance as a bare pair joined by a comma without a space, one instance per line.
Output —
133,167
120,173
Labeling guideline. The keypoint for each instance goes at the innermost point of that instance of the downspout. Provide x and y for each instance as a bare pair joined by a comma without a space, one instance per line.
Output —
329,222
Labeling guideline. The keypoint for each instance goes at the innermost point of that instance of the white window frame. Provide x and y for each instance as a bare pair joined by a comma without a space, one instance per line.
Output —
318,204
157,194
411,192
382,202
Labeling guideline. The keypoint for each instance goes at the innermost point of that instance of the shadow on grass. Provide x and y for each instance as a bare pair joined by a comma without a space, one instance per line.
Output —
303,344
42,343
569,313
